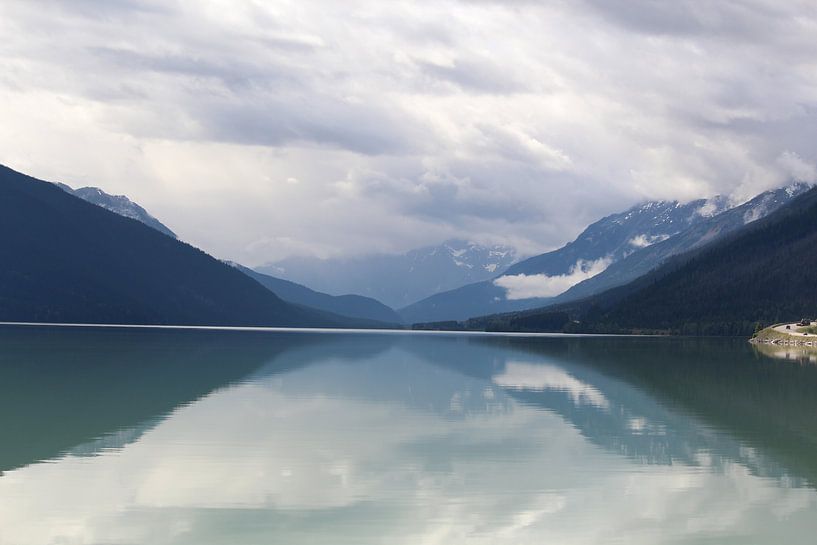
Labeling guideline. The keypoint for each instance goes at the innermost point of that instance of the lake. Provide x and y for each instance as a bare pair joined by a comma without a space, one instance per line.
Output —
137,436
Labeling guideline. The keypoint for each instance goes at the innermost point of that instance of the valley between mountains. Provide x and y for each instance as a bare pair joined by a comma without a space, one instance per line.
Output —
709,266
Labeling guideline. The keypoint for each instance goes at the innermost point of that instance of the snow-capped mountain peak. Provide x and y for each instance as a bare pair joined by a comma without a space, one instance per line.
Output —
118,204
401,279
470,255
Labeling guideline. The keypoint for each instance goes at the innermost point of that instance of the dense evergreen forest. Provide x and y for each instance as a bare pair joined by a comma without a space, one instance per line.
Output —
762,274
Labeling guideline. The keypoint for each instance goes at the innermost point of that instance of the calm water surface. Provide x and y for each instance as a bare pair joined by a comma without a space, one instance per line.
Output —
199,437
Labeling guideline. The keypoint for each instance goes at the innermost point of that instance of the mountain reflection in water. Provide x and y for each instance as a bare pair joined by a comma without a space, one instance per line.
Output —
137,436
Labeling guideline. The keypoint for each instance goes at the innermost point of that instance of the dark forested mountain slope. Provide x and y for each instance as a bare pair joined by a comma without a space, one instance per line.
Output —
65,260
765,272
631,244
698,234
355,306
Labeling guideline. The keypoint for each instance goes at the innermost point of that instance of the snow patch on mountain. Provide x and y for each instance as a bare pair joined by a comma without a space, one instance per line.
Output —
772,200
118,204
470,255
522,286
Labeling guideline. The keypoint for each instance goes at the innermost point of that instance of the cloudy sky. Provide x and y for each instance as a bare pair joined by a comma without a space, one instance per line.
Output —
262,129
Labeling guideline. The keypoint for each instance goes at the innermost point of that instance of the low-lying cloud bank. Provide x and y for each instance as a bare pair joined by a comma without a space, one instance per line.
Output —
523,286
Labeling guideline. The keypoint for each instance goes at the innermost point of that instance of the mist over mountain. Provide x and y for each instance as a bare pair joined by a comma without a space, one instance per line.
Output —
761,273
118,204
534,281
699,234
398,280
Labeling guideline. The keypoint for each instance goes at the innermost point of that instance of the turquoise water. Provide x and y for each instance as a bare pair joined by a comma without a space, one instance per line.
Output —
123,436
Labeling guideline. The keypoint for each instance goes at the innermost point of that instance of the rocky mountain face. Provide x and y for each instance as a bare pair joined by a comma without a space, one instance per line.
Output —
118,204
701,233
398,280
616,236
610,252
533,281
761,273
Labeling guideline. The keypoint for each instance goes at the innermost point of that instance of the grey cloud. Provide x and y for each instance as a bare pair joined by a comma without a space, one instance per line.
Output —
265,94
276,120
474,75
108,9
749,18
516,120
490,192
796,133
233,73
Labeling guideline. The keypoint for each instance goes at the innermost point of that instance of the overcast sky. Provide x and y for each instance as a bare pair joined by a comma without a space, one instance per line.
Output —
261,129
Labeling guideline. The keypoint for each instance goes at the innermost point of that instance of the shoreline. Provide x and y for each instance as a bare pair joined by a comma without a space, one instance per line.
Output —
784,334
784,342
273,329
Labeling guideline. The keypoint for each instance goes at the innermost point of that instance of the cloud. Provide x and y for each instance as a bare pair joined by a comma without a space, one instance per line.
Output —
692,17
799,170
523,286
642,241
473,75
402,127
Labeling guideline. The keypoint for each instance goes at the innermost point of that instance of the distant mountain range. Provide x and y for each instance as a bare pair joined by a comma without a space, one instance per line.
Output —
355,306
761,273
610,252
703,267
66,260
605,241
697,235
118,204
398,280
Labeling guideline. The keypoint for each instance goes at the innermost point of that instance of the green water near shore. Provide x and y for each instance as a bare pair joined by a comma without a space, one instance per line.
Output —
140,436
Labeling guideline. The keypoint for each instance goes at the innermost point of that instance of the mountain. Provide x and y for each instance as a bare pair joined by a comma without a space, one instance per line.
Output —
118,204
534,281
355,306
398,280
700,233
762,273
63,259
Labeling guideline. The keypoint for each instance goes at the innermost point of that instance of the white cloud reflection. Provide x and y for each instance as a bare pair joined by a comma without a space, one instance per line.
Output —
542,376
310,467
